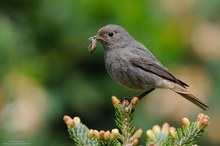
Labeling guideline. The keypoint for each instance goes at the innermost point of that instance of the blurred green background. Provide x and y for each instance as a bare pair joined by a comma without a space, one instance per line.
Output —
46,71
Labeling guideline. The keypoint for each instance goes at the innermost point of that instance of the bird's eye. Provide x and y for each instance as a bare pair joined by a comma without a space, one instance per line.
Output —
110,34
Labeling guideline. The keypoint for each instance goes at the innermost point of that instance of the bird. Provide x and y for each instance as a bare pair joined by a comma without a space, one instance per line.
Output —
133,66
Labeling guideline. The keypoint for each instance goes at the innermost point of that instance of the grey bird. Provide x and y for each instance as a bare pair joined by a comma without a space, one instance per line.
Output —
133,66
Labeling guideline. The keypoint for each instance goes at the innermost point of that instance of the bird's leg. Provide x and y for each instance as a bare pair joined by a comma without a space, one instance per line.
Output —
145,93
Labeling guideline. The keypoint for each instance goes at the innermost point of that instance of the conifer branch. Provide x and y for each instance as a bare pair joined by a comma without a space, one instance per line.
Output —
187,135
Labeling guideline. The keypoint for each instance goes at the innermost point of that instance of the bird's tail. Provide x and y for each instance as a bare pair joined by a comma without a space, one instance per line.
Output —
184,93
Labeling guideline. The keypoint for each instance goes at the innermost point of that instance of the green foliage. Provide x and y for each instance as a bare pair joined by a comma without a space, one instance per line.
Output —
79,133
124,120
184,136
109,143
187,135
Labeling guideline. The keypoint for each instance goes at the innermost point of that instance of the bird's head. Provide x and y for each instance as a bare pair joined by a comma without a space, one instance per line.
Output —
113,35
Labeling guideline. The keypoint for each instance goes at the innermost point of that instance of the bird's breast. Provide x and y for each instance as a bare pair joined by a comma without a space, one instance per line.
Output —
115,64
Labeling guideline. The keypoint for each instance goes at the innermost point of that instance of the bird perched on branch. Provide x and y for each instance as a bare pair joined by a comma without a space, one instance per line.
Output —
132,65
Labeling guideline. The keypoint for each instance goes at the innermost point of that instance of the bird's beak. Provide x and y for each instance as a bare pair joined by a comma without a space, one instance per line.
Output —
99,38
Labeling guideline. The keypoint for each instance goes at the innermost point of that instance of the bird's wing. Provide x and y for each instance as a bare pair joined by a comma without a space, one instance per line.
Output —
155,68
